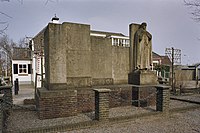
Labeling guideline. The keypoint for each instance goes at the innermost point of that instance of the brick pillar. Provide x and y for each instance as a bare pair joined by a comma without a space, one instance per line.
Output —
7,97
162,99
1,113
102,104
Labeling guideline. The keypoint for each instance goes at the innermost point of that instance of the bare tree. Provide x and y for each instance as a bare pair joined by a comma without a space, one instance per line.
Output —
4,24
6,50
194,5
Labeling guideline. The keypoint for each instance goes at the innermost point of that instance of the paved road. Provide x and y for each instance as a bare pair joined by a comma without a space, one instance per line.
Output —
187,122
25,92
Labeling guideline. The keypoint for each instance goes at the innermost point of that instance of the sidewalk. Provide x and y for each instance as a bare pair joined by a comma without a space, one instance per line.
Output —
25,92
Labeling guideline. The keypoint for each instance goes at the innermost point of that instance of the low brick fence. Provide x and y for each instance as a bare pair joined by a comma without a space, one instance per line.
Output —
55,104
102,102
63,103
6,101
162,98
119,96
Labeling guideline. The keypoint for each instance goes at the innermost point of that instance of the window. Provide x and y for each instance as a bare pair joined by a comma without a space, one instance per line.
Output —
115,42
120,42
127,43
23,69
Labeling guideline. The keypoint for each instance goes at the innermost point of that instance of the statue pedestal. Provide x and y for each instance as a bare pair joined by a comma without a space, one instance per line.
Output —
143,77
143,95
143,91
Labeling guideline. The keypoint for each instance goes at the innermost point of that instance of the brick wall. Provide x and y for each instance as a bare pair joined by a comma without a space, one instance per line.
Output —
163,98
102,104
119,96
145,95
85,100
55,104
64,103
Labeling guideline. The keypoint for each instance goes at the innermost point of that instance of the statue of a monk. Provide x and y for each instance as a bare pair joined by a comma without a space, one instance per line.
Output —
142,48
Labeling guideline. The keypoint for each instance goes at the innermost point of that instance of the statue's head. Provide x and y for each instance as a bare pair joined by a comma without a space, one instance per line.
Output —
143,25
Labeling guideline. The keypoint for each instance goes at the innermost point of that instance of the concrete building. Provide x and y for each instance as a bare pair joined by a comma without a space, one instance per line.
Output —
92,58
108,53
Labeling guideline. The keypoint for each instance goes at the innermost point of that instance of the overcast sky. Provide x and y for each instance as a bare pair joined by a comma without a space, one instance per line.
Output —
169,21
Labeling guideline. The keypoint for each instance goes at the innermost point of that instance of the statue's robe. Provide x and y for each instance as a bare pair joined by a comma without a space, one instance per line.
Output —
142,49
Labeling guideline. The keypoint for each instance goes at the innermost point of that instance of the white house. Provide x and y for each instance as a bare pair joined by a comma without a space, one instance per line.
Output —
22,65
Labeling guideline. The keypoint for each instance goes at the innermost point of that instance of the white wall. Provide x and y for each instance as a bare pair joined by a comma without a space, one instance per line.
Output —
37,69
23,78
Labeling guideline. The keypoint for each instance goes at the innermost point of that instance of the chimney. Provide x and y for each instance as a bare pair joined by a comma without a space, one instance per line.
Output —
55,20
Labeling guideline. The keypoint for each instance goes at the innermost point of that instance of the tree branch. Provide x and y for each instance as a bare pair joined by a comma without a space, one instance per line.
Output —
195,7
5,0
5,14
2,31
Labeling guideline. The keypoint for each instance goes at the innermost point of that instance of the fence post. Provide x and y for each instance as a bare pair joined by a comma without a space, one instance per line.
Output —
7,97
163,98
102,104
16,86
1,113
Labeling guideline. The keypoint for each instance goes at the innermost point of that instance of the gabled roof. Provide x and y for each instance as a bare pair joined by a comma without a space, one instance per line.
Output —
21,54
166,60
155,55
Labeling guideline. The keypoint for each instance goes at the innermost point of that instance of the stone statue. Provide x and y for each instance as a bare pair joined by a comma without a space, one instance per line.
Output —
142,48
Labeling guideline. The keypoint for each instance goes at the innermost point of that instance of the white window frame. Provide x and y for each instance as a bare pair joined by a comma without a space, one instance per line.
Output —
23,68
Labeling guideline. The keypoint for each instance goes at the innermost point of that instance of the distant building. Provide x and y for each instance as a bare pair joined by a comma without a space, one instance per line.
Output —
162,65
22,65
118,39
187,76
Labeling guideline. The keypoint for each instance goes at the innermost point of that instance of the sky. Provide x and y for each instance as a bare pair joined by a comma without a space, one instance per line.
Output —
169,21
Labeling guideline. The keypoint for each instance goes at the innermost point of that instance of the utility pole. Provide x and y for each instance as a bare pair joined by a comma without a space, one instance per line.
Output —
173,88
175,57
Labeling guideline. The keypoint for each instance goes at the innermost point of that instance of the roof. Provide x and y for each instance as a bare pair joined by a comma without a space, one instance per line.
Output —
21,53
166,60
107,33
195,65
155,55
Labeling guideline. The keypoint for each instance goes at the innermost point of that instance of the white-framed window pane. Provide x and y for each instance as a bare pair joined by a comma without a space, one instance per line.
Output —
23,69
20,66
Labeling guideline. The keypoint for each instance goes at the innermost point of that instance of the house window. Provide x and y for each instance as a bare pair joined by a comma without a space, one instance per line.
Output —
127,43
115,42
23,69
